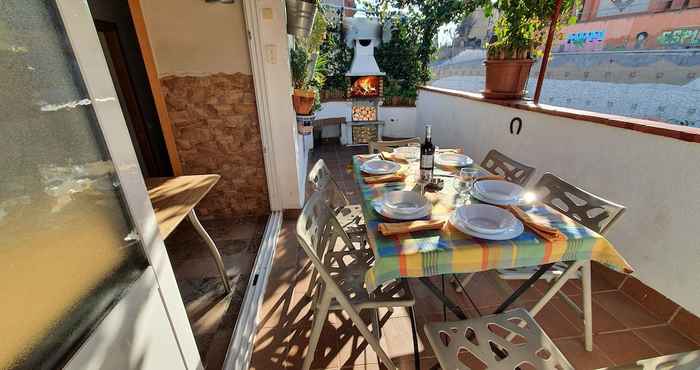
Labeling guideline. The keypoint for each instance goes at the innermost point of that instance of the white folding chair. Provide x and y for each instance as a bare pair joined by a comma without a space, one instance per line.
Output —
510,340
588,209
342,271
388,145
678,361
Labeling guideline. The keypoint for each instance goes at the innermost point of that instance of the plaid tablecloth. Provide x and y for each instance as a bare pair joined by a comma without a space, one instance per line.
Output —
448,250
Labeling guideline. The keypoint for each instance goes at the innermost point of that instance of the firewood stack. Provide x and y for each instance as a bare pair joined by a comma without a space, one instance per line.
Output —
364,113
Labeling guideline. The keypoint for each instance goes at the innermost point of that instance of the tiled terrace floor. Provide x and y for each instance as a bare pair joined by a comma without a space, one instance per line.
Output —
624,331
211,312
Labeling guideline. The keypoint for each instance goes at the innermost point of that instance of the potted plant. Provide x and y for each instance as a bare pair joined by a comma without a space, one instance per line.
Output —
308,74
520,30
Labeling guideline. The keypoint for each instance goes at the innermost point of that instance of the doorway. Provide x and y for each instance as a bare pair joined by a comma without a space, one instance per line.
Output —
121,49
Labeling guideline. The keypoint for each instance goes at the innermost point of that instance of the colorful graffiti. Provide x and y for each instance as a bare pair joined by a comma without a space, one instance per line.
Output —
680,38
584,41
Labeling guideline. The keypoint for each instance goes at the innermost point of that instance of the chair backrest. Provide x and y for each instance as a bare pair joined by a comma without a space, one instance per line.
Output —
322,182
386,145
500,164
319,233
588,209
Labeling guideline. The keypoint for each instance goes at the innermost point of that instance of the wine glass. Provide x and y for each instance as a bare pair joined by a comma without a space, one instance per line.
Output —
465,181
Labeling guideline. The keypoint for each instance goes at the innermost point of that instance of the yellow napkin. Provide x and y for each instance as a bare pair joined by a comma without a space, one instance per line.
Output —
406,227
393,157
378,179
545,232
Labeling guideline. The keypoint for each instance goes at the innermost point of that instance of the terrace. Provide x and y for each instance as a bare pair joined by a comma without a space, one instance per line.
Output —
123,120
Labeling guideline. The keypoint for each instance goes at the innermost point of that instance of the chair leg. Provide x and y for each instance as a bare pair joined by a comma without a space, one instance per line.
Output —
461,283
369,337
375,323
320,315
312,283
587,305
414,332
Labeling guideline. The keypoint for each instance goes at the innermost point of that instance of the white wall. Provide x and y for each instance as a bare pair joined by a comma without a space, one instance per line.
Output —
656,177
400,121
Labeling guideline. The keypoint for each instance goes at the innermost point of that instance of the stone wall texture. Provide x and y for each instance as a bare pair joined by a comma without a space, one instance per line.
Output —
215,124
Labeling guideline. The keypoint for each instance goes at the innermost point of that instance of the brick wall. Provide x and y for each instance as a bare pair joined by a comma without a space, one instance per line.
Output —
215,124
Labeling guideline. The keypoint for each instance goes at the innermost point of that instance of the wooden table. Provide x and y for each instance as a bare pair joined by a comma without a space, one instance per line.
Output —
174,198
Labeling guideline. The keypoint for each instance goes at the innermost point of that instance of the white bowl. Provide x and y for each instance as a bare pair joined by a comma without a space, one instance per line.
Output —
485,219
499,190
404,202
453,160
379,167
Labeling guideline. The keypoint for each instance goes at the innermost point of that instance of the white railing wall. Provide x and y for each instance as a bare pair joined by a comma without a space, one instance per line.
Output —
656,177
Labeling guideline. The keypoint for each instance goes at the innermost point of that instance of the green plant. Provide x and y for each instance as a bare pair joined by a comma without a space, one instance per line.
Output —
307,66
522,25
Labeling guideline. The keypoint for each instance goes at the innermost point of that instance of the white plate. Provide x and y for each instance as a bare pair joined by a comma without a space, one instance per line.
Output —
399,198
499,190
484,218
510,233
379,167
408,152
481,197
453,160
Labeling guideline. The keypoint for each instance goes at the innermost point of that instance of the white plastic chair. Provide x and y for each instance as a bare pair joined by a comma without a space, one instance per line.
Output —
342,270
510,340
678,361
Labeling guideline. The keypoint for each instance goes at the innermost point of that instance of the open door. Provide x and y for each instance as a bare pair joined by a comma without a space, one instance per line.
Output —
84,277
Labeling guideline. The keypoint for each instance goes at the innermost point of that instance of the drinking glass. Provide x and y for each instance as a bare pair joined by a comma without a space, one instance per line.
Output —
465,181
413,157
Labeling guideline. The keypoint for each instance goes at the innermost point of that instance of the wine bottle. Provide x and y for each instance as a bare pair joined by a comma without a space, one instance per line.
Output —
427,152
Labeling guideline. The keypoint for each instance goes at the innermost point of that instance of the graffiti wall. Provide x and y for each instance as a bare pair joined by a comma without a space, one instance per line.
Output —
679,38
583,41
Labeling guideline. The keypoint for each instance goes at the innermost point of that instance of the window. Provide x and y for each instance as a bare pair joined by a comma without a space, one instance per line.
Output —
633,62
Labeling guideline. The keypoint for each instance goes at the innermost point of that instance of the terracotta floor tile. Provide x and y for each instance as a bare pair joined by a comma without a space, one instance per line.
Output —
603,321
625,309
554,323
572,287
399,338
657,304
574,351
486,289
285,309
624,347
666,341
614,278
688,324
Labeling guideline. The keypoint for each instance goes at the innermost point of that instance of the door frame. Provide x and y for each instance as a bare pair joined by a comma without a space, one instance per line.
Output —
83,38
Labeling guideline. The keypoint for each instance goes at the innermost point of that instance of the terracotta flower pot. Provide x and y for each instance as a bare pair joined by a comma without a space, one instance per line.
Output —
507,78
303,101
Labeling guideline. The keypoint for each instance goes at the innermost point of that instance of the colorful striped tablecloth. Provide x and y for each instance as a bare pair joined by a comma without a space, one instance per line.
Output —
446,251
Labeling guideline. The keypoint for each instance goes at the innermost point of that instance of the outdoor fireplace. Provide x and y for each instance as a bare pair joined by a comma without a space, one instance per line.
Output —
365,87
365,82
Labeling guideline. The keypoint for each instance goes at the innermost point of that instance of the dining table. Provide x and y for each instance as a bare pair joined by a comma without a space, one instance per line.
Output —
446,251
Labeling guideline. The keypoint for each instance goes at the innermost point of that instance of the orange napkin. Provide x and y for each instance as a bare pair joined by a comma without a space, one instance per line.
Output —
545,232
490,177
393,157
406,227
378,179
